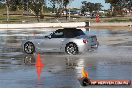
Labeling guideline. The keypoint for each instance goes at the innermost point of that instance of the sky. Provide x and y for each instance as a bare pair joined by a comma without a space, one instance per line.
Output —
77,3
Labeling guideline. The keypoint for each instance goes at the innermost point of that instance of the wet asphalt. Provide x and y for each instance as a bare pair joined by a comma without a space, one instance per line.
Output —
112,60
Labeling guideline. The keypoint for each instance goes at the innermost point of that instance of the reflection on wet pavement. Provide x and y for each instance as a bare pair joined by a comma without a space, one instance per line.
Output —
112,60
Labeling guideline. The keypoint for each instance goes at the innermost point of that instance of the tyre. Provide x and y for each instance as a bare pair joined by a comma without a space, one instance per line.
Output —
29,48
85,82
71,49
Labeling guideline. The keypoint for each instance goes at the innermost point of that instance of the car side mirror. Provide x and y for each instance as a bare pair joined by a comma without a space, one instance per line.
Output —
49,37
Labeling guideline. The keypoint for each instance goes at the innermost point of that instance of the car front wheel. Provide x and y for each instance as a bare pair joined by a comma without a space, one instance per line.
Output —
29,48
72,49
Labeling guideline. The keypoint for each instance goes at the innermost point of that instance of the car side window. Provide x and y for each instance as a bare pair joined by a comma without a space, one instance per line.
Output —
57,34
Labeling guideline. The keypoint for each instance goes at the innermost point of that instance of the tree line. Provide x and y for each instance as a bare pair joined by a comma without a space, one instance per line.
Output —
36,6
120,5
57,6
90,7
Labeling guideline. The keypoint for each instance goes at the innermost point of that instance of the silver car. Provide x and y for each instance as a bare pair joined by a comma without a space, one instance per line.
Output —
69,40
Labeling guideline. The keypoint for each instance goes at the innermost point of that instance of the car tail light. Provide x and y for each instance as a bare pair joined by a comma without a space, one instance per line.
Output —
85,41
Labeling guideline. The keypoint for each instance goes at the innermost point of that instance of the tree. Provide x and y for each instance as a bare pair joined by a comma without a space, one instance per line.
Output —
42,3
36,6
90,7
129,5
119,5
14,4
97,6
53,4
60,5
65,3
2,5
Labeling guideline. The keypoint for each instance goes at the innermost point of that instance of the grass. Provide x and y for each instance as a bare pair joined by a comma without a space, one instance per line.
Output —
120,20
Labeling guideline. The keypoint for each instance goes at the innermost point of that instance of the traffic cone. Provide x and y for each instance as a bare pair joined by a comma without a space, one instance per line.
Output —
39,65
97,18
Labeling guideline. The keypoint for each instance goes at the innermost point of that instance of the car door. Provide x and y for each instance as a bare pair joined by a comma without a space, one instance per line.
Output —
54,42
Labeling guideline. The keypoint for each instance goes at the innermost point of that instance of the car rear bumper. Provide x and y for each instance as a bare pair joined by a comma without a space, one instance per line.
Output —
83,48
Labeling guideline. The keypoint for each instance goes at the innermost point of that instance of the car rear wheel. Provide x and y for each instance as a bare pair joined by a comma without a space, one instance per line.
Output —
29,48
72,49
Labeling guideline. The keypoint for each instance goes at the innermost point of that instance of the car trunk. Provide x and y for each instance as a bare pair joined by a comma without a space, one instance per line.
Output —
92,40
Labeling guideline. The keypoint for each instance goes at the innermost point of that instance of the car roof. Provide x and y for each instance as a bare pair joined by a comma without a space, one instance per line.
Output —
69,29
